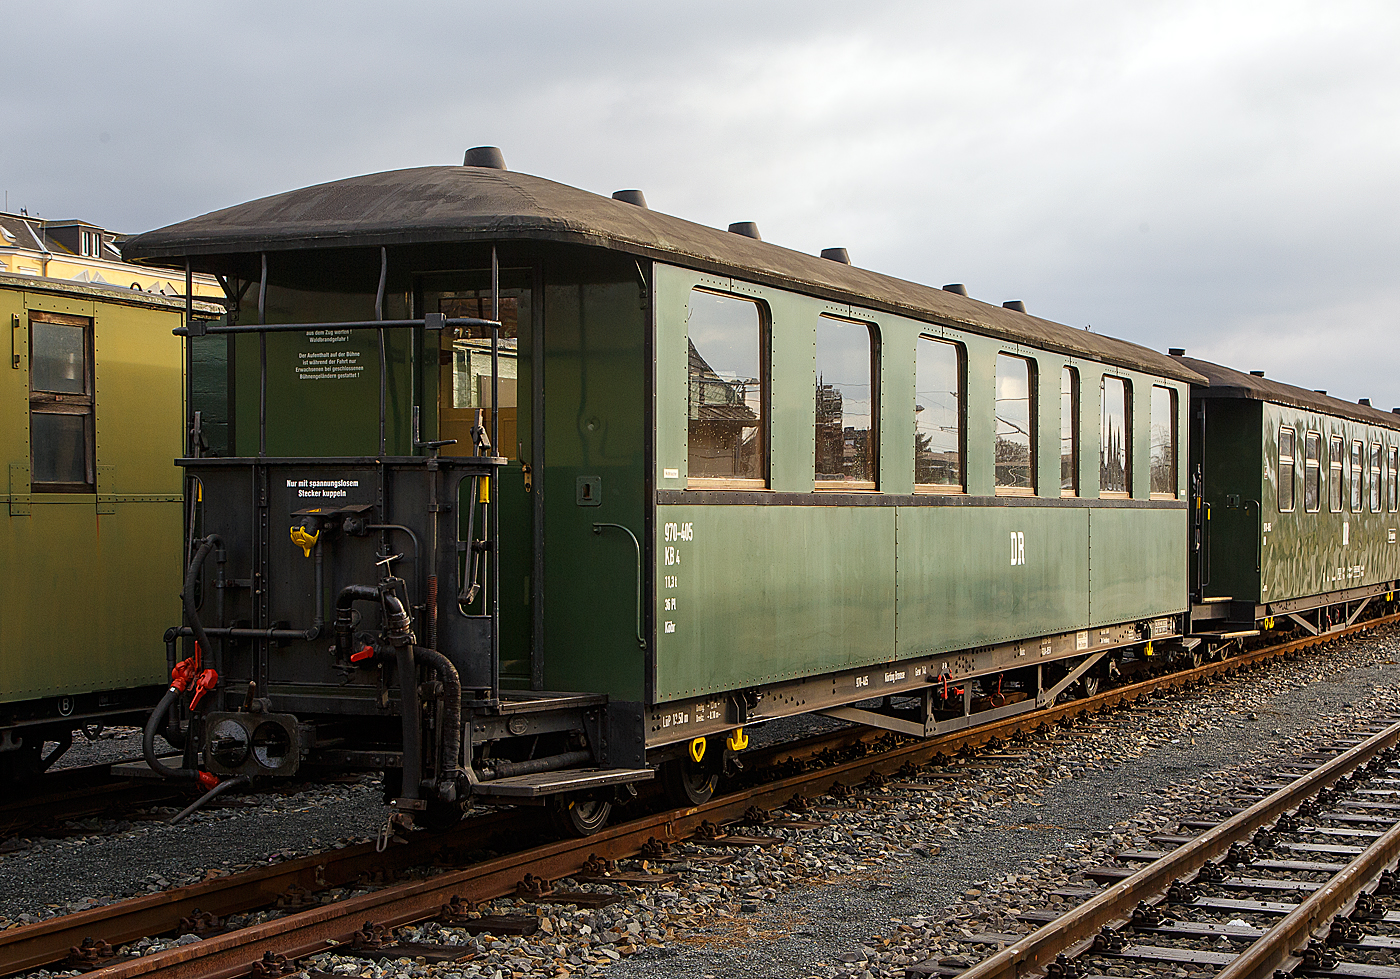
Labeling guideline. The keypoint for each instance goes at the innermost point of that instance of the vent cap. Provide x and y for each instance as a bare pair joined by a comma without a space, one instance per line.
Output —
486,157
1318,391
956,287
1176,352
1256,373
631,197
1015,305
749,229
1365,401
837,255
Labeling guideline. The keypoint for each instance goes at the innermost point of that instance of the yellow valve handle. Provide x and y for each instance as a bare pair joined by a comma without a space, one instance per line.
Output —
483,490
304,540
738,740
697,750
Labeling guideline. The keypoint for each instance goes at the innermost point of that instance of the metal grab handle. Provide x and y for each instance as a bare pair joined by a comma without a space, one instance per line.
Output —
598,529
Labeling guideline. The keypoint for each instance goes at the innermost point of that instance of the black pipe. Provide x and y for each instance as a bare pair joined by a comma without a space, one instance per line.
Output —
276,635
411,716
450,728
213,793
344,619
148,741
549,763
191,579
318,624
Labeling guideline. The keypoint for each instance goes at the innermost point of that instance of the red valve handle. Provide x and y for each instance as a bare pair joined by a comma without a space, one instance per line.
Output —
362,655
182,674
207,681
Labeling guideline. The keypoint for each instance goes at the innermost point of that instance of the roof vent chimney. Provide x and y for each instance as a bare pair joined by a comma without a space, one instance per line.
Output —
488,157
749,229
837,255
1365,401
1176,352
956,287
1014,304
1256,373
631,197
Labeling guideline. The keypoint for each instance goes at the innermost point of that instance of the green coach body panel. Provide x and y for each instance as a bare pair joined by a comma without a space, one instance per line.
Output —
961,583
1301,553
94,578
749,595
1137,564
594,330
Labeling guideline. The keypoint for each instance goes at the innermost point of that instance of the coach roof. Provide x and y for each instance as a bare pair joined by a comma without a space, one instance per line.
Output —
1228,383
467,203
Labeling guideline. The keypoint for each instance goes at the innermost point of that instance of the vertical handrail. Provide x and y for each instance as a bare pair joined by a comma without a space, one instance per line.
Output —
383,355
262,360
493,505
598,529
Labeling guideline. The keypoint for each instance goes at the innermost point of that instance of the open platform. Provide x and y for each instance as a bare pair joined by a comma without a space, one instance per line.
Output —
538,784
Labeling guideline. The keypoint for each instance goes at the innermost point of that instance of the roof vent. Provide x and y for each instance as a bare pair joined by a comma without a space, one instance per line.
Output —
1176,352
749,229
1014,304
1365,401
631,197
1395,411
956,287
1318,391
837,255
488,157
1256,373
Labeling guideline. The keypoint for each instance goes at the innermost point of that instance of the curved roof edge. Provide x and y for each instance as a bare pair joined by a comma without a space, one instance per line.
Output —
464,204
1225,382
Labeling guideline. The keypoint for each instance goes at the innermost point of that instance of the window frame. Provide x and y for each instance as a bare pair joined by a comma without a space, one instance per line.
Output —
65,403
848,485
960,355
1174,409
1336,467
765,367
1392,478
1033,414
1073,374
1375,477
1315,464
1291,461
1125,494
1356,495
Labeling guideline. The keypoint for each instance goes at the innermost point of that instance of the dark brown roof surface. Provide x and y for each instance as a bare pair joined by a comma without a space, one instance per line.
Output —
1228,383
456,204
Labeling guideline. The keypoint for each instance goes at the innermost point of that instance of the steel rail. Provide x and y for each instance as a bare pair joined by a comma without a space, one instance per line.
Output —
1275,949
1031,955
45,942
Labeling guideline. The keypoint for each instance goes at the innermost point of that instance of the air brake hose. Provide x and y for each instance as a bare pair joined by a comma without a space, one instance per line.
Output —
148,740
187,595
450,735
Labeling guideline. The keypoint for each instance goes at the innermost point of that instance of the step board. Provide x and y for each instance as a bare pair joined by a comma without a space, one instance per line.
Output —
539,784
533,701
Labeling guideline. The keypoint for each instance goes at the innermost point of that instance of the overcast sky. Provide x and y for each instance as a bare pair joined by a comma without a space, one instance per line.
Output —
1219,176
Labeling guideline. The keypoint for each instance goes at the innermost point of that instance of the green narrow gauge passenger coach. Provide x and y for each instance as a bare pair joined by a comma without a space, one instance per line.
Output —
524,494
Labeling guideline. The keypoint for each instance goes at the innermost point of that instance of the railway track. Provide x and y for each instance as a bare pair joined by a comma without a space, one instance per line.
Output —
460,873
1315,892
77,793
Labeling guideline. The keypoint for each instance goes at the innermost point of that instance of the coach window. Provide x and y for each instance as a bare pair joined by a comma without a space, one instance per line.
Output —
1069,432
847,404
1014,452
1392,478
728,401
1162,468
1376,477
1312,472
60,404
1285,470
1358,461
1335,466
1115,439
938,416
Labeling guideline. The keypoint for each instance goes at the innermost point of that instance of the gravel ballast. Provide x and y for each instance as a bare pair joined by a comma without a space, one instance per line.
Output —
894,879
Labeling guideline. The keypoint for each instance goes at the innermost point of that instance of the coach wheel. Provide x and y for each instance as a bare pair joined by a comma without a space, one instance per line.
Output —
688,783
1090,682
581,817
22,764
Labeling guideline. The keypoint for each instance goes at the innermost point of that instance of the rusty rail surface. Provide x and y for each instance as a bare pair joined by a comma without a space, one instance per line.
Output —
1031,955
316,929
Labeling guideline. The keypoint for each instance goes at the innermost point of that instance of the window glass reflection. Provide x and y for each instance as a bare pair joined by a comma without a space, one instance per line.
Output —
938,415
727,400
1014,430
1115,443
846,401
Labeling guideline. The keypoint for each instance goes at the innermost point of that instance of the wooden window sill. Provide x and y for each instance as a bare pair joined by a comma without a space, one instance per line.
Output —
845,486
934,489
721,483
1015,491
1114,495
1161,496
